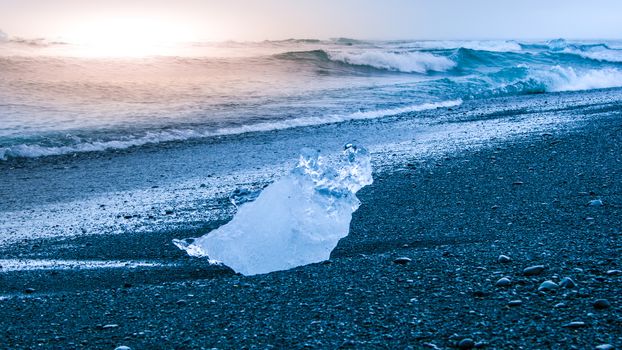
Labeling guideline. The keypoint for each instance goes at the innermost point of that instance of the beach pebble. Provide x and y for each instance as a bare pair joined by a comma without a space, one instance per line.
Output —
514,303
595,203
504,259
402,261
604,347
534,270
466,343
503,282
480,293
584,293
567,282
547,286
602,304
575,324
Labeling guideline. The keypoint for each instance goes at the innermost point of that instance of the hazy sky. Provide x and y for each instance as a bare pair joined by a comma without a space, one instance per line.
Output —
281,19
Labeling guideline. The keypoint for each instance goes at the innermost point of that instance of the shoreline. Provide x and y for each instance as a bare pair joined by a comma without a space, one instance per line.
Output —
453,216
181,187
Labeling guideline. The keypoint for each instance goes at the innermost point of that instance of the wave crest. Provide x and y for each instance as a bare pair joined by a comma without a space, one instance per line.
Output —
568,79
407,62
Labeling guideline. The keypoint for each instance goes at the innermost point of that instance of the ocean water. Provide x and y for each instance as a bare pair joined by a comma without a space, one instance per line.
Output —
55,100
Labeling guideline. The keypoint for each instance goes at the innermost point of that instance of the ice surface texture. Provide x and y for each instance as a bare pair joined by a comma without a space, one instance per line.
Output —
295,221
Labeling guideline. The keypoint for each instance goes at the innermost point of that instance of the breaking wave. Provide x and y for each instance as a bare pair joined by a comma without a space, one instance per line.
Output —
392,61
569,79
593,51
407,62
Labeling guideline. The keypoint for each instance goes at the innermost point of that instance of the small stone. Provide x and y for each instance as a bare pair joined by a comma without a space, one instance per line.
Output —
466,343
480,293
122,347
481,344
29,290
534,270
584,293
595,203
604,347
575,325
567,282
504,259
402,261
514,303
601,304
503,282
547,286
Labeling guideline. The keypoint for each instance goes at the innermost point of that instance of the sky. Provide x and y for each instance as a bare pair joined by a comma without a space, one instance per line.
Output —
255,20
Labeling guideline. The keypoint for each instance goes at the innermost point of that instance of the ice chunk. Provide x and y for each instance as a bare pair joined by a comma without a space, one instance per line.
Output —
295,221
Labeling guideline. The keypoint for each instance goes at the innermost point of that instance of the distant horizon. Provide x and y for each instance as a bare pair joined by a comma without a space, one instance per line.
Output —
254,21
61,40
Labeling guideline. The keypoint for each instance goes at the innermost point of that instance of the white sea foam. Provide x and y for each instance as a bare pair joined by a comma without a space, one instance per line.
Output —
568,79
34,150
599,54
7,265
407,62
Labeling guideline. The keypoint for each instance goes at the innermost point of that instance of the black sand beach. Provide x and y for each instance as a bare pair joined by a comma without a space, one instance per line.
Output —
452,217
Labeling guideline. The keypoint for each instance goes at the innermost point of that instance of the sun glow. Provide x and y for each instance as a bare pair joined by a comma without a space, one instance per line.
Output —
129,37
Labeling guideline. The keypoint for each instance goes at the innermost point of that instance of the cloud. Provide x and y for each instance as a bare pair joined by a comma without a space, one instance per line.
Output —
3,36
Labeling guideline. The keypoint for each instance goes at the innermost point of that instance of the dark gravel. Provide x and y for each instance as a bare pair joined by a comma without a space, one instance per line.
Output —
452,217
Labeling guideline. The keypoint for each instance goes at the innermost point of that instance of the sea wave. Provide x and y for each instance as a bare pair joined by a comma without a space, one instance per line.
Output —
36,150
594,51
597,53
569,79
407,62
524,80
385,60
492,46
464,58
